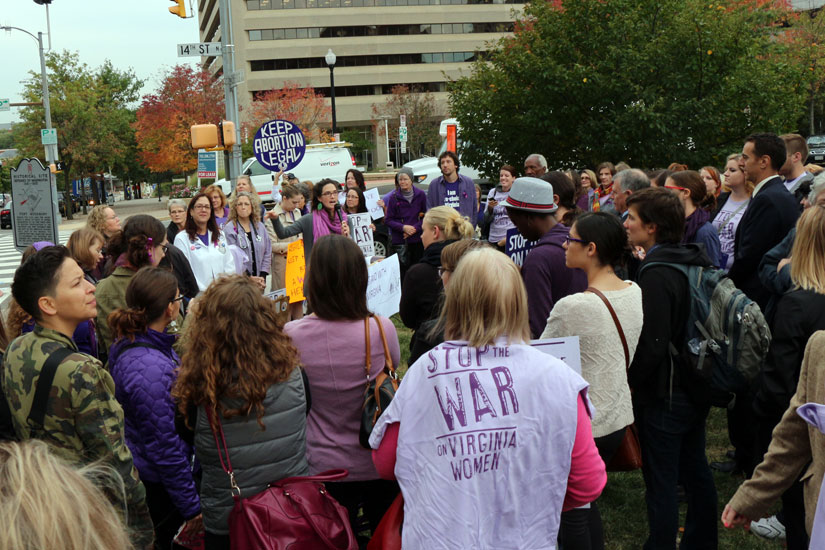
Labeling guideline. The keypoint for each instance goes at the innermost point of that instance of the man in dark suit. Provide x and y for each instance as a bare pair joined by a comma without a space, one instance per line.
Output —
771,213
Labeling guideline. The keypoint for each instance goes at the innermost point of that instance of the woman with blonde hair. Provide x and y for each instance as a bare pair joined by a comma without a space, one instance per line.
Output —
421,287
589,182
466,435
86,247
246,231
103,220
732,205
257,399
47,503
220,206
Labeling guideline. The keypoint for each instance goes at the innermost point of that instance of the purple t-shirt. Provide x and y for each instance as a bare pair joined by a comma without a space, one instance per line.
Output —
451,197
204,239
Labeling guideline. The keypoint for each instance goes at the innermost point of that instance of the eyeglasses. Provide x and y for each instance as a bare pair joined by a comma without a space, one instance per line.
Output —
202,207
443,270
676,187
179,298
329,194
575,240
165,248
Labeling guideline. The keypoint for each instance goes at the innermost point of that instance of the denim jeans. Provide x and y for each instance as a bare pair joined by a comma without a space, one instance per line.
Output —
672,436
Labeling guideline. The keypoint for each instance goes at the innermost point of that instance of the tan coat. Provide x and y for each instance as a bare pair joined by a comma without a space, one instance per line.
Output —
795,444
279,246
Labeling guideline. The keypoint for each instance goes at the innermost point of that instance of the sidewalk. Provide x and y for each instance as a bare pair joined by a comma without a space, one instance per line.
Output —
123,209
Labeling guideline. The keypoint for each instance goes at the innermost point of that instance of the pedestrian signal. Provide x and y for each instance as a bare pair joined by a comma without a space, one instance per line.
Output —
179,8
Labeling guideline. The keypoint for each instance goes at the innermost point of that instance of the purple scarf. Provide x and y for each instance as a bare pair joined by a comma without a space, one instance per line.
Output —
321,224
692,224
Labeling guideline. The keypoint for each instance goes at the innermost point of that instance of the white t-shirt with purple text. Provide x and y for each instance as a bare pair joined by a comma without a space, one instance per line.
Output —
728,220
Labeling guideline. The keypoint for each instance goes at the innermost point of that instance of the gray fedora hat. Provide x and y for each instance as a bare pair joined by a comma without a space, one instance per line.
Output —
531,195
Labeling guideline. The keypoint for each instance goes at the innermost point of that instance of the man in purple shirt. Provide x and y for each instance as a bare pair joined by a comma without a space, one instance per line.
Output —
453,189
530,206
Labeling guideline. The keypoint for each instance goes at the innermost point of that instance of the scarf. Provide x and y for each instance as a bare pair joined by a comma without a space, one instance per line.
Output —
407,196
601,193
322,225
693,222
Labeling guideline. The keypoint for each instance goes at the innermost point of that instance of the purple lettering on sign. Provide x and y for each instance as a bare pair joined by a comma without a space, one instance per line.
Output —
453,405
505,387
478,393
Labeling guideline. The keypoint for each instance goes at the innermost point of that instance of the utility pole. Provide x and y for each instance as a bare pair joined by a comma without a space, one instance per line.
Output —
232,158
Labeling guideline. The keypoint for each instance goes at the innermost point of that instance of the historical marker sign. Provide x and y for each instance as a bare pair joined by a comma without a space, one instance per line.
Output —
279,145
32,211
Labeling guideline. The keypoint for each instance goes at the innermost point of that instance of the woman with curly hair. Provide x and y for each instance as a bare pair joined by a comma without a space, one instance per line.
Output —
103,220
142,242
245,230
259,399
143,366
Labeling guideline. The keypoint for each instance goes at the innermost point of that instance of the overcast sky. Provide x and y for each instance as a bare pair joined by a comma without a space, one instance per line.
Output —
140,34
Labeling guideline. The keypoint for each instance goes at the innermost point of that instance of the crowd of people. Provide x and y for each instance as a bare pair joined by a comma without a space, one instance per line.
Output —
133,346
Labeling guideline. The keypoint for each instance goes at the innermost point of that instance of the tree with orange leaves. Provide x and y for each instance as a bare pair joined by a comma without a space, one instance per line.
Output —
292,102
185,97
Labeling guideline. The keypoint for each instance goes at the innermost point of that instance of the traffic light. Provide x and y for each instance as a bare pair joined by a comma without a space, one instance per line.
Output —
179,8
227,131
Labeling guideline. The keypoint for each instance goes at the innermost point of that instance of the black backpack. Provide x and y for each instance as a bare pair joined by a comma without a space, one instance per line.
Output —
37,414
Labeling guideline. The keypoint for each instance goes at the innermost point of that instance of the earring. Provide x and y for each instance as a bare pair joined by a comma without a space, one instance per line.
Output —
320,206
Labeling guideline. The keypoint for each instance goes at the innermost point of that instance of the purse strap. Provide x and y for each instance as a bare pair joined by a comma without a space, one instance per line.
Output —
388,364
227,466
615,320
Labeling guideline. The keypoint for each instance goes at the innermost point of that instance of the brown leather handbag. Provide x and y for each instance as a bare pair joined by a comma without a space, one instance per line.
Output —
379,392
628,456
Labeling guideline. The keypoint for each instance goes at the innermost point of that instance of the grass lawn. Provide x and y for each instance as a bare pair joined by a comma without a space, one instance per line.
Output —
622,504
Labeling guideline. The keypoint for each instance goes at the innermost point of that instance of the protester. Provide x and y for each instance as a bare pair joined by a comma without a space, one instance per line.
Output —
713,182
580,191
794,168
258,399
355,179
597,243
406,206
449,502
797,450
327,218
564,194
661,178
203,243
356,203
305,187
245,185
799,313
669,404
429,334
287,212
731,208
246,231
103,219
143,366
604,192
625,184
142,242
83,423
535,165
220,206
772,212
421,288
697,204
453,189
45,502
531,206
331,345
177,218
86,247
589,184
495,221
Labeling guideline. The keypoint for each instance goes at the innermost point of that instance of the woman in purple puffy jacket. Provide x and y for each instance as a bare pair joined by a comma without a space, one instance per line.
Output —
143,365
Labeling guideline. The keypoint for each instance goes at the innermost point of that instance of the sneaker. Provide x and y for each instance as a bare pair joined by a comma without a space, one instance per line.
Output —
768,528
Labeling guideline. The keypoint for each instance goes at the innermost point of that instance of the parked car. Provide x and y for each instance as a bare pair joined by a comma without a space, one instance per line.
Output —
816,149
321,160
5,216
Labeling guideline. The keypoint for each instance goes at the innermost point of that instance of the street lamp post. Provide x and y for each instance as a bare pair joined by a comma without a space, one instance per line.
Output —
330,59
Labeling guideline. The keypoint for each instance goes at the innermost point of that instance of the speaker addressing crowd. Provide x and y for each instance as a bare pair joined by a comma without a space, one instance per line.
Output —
140,346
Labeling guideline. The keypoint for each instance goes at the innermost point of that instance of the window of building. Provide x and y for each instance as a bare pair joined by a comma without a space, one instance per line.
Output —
377,30
362,61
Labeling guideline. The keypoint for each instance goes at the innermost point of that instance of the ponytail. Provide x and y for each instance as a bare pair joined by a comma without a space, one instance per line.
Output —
148,295
453,225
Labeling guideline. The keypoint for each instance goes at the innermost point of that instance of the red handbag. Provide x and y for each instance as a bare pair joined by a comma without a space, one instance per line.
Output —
295,513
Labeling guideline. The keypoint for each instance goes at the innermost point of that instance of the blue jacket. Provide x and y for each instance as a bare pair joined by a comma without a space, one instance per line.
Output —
401,213
143,381
468,206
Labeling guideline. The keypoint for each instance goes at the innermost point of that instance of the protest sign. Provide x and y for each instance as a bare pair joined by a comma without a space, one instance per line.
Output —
372,197
517,247
295,270
362,233
567,349
279,145
384,287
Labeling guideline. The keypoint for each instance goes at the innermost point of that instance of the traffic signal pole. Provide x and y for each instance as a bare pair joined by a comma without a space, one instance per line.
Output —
232,158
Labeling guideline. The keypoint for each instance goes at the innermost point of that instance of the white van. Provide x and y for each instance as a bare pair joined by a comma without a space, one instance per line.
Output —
321,160
426,169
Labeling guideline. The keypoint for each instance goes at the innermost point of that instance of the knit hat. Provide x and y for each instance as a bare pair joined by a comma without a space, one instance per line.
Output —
531,195
404,170
40,245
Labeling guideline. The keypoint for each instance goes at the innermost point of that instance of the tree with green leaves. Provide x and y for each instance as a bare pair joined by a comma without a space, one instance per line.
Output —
89,108
645,81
